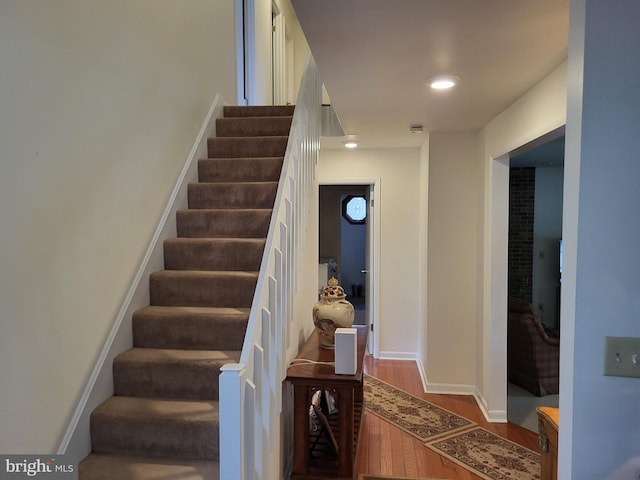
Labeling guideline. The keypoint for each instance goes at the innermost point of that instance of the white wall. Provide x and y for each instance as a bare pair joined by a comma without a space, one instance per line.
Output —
455,176
398,171
599,423
101,102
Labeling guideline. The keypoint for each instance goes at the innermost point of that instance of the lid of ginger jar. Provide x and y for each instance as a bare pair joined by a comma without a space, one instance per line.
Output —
333,290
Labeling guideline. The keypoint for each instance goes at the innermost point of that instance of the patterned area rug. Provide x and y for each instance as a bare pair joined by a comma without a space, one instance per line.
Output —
488,455
415,416
366,476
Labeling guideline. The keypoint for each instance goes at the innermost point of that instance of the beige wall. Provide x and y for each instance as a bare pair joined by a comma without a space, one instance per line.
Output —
455,177
100,104
463,312
398,198
455,323
423,249
541,110
262,91
301,51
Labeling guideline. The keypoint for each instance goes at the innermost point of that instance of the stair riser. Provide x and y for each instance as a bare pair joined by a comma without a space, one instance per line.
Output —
258,110
205,254
234,147
223,223
111,467
189,333
239,169
192,381
232,195
201,291
253,126
160,438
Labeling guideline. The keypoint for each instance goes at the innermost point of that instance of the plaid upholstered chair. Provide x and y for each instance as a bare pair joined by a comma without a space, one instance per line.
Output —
533,358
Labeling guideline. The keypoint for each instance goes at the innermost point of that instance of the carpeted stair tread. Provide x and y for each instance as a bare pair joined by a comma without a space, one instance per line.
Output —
156,427
241,147
192,288
232,195
253,126
117,467
258,110
236,254
190,327
239,169
223,222
170,373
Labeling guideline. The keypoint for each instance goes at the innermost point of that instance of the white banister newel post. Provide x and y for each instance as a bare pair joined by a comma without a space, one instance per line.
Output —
231,386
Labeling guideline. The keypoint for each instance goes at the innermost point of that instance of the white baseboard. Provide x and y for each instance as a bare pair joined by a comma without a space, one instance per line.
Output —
450,388
423,375
76,441
493,416
397,356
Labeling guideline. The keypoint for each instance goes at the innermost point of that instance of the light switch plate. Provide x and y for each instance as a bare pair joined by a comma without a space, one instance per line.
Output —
622,356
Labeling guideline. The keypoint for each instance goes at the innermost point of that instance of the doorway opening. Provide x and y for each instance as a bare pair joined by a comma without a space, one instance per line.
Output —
536,175
346,247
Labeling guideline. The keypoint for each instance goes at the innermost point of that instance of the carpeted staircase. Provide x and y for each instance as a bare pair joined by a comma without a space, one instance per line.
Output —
162,422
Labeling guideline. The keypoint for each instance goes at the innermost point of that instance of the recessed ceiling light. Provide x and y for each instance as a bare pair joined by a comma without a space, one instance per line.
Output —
350,141
442,82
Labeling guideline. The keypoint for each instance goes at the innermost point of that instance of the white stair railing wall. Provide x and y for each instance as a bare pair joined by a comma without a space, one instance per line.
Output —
254,445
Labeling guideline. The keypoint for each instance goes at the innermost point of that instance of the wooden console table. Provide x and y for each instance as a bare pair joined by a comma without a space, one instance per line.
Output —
548,421
347,389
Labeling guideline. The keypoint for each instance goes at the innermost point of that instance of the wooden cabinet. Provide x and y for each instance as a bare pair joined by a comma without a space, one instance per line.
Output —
315,454
548,420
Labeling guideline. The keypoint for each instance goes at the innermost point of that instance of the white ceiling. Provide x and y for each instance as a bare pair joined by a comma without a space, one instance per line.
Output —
374,56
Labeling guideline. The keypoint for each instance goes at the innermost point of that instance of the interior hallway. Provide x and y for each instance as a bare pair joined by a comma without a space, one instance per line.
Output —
386,450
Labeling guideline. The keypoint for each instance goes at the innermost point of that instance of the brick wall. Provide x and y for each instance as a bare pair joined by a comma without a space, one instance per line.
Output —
522,186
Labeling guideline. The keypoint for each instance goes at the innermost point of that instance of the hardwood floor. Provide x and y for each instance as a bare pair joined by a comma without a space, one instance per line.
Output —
387,450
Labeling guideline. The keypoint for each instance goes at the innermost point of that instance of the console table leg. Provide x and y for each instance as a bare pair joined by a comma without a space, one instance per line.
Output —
301,429
346,430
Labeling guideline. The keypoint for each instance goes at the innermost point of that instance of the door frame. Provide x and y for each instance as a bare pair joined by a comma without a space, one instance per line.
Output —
278,55
373,256
496,259
245,25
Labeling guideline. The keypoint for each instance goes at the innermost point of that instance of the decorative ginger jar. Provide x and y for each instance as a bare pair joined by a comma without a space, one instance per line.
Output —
330,312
